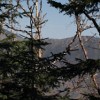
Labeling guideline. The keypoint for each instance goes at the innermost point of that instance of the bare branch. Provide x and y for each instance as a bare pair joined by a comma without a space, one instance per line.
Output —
94,21
24,31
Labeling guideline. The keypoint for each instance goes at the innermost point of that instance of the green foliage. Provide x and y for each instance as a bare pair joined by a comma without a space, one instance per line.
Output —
23,76
26,76
76,6
82,68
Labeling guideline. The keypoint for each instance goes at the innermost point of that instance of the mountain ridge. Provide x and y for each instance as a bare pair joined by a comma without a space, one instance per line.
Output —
90,43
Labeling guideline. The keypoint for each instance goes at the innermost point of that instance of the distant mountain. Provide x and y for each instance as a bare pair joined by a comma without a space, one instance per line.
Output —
8,33
91,44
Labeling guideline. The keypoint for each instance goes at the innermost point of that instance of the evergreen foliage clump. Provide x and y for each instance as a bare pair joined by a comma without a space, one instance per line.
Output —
24,75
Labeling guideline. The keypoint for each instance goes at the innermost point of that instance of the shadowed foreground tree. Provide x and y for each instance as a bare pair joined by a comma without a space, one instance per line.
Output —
23,74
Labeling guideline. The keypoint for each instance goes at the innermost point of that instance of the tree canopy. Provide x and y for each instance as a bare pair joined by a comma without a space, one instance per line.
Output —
24,73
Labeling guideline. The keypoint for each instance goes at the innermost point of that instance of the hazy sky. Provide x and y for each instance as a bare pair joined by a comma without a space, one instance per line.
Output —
58,25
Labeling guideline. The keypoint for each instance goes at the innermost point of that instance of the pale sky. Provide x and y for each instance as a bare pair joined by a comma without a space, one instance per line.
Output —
58,25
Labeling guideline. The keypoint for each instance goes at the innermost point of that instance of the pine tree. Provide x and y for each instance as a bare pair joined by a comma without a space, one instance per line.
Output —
23,74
